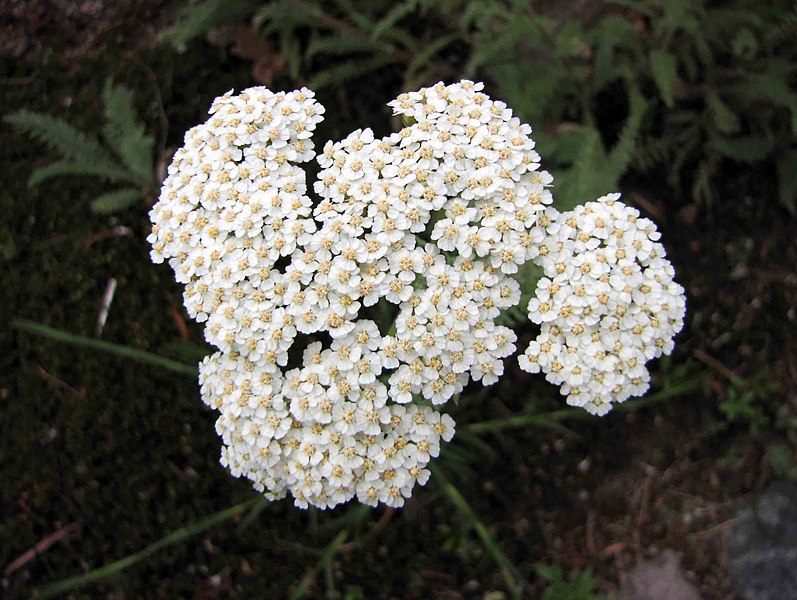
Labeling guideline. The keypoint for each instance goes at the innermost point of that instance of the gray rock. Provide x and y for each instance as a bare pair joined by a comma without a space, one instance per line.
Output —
658,579
762,548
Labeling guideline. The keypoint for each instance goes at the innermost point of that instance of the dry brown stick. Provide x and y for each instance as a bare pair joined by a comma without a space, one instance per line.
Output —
39,548
716,365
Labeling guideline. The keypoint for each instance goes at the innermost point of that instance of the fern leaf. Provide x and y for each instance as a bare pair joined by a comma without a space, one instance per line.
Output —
613,31
62,137
341,44
621,154
115,201
787,181
725,120
349,70
395,15
355,15
745,149
576,185
81,167
426,53
662,65
126,136
651,152
198,18
774,85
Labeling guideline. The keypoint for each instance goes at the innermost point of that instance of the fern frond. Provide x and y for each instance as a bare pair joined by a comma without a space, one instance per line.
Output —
787,181
115,200
197,18
355,15
62,137
651,152
575,185
395,15
623,151
781,29
341,44
664,70
742,149
80,168
350,70
126,136
425,54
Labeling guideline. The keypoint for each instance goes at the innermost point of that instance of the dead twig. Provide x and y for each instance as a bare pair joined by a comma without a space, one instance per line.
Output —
61,384
713,363
38,549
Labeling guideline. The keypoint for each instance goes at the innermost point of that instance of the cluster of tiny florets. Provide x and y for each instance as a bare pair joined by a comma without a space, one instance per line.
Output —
607,304
314,399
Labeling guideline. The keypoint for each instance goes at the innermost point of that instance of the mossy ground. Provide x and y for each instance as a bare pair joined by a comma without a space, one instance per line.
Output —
125,453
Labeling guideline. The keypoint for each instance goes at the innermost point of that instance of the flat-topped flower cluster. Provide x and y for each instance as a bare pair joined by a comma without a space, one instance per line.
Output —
419,233
606,306
432,219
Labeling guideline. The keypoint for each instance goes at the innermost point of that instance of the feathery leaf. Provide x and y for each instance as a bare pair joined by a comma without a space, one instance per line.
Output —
126,136
112,172
115,201
62,137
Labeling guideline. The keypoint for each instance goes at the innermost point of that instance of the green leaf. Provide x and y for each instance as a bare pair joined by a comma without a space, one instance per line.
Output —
113,172
126,136
341,44
723,117
395,15
323,562
197,18
181,534
115,201
551,419
508,570
424,55
744,43
774,85
579,183
116,349
63,138
613,31
349,70
663,68
744,149
622,152
787,181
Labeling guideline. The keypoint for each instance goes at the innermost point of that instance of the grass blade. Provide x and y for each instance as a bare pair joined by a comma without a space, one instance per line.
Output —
109,347
323,562
174,537
507,568
550,420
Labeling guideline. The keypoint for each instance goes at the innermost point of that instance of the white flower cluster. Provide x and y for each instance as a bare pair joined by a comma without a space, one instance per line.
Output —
607,304
433,219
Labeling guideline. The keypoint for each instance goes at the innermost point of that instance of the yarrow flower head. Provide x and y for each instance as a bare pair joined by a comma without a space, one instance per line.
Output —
607,304
342,323
314,398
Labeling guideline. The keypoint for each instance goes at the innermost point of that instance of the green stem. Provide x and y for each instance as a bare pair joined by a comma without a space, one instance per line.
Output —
323,563
551,419
111,348
507,568
177,536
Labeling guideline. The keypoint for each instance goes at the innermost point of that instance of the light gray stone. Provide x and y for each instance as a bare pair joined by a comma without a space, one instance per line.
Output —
660,578
762,548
